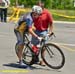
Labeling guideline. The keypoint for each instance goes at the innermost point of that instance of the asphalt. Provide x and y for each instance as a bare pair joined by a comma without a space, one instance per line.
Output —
65,39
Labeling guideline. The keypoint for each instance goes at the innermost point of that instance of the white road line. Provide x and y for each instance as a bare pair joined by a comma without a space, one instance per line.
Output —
65,44
66,47
70,49
64,22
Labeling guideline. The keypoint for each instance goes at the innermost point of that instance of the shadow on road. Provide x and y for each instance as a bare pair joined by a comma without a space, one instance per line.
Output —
14,65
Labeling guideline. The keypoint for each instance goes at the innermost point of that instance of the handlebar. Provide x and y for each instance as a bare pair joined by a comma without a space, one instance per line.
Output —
52,34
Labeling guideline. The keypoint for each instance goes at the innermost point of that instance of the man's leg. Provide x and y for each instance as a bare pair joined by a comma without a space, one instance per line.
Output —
5,15
19,53
44,33
35,41
1,14
20,45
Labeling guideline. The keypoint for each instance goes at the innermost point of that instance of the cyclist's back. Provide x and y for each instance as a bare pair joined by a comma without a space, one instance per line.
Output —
24,22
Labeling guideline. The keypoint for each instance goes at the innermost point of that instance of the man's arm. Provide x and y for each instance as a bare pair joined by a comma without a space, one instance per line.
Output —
50,28
50,18
35,35
32,32
8,2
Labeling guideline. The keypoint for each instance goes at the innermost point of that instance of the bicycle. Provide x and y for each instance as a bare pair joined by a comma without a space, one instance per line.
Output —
53,58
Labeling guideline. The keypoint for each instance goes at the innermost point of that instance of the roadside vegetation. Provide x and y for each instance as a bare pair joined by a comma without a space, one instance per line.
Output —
62,10
56,14
63,15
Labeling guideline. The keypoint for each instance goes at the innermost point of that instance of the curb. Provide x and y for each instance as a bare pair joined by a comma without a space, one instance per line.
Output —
66,22
59,22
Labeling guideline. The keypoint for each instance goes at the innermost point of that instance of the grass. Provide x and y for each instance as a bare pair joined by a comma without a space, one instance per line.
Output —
69,13
65,12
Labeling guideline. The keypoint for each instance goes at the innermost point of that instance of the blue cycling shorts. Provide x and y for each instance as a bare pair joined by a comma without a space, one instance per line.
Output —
34,40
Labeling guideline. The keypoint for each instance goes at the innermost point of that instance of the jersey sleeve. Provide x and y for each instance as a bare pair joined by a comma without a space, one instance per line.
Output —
29,22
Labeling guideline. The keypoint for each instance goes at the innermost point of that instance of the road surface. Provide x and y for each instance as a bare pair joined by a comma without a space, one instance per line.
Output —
65,38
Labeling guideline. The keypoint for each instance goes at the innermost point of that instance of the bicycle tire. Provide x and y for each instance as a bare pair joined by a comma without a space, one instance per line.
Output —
16,48
27,52
52,54
26,47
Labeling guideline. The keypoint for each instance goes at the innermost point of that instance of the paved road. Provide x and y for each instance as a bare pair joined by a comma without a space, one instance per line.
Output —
65,38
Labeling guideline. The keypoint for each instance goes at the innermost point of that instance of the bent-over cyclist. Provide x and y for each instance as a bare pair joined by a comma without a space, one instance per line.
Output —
25,25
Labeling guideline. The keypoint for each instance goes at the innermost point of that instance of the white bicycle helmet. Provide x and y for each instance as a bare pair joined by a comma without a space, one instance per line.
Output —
37,9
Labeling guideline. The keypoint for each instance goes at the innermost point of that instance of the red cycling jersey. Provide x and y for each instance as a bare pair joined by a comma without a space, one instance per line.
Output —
42,22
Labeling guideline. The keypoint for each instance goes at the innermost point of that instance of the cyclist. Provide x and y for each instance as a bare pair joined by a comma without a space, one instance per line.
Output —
42,24
21,29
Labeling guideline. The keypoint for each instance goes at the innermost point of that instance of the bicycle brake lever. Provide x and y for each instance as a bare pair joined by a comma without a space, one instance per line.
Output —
52,34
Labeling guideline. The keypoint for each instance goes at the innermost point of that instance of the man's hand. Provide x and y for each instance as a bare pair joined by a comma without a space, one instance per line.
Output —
39,38
50,34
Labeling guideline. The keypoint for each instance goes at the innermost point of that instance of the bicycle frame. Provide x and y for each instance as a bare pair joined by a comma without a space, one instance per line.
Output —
42,42
51,53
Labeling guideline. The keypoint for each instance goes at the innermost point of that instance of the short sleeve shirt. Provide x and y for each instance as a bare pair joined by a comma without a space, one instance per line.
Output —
42,22
28,19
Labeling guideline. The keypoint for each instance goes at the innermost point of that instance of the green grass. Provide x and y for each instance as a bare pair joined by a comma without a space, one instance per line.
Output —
63,12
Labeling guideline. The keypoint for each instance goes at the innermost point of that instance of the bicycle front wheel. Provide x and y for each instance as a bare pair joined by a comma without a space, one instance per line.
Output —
53,56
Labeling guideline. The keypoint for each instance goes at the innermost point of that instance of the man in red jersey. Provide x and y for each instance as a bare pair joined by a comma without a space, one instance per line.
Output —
46,12
42,24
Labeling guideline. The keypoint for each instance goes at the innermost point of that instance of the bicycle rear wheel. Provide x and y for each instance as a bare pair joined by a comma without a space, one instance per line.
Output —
27,55
16,48
52,56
